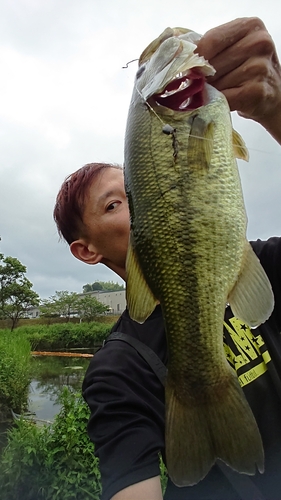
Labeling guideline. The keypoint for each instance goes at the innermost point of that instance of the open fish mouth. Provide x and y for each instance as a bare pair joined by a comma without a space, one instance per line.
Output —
184,93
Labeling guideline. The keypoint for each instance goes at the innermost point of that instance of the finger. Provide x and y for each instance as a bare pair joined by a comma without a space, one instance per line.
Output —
255,45
251,100
236,100
218,39
254,69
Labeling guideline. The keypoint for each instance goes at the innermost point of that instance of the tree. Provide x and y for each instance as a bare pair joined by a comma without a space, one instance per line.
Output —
97,286
63,304
16,294
108,286
89,308
66,304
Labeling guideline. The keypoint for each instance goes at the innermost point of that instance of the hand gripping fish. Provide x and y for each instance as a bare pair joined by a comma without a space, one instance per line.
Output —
188,250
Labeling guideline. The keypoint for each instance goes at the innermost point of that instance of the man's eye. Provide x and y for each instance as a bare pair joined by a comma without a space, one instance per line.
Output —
113,205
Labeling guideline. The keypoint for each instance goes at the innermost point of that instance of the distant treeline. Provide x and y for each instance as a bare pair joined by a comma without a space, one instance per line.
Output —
106,286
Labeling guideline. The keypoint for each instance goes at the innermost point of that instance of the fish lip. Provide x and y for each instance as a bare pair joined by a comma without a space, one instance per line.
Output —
185,92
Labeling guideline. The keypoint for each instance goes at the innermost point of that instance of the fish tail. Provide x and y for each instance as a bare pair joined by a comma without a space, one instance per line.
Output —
219,425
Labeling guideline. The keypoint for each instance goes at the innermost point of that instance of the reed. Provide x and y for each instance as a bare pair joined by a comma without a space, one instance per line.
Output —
68,335
14,372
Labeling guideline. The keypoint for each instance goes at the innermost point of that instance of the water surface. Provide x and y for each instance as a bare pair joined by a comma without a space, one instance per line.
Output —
49,375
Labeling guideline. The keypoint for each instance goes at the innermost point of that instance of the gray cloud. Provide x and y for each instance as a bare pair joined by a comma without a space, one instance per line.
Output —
63,103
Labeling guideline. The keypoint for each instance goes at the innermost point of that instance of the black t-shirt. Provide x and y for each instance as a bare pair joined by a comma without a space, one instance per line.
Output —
127,400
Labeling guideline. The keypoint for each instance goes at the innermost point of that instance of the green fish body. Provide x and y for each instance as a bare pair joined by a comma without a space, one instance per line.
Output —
188,251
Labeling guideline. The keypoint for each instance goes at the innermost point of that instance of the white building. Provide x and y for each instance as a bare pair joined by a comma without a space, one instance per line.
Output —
32,312
116,301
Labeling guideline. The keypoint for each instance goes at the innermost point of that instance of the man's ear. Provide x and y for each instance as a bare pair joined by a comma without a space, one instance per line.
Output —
85,252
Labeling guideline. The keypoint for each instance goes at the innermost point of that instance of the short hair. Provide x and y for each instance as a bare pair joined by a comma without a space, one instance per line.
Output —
70,202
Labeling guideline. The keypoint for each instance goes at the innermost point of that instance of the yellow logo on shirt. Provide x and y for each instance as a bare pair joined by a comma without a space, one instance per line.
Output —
248,352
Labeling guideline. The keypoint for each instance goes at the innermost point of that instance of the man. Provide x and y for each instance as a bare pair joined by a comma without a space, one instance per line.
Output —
124,394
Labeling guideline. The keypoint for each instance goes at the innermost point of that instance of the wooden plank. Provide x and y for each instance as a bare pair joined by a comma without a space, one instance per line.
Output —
69,354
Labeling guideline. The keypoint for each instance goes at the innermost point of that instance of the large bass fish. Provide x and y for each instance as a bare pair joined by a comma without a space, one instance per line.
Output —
188,251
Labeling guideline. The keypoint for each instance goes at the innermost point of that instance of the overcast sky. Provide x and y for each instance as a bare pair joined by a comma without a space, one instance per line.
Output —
64,100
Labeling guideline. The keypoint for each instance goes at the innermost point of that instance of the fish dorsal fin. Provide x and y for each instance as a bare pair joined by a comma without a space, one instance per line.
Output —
201,142
239,146
140,300
251,299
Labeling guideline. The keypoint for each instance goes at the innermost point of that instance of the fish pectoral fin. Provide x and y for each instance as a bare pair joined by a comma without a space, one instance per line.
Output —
251,299
239,146
140,300
201,142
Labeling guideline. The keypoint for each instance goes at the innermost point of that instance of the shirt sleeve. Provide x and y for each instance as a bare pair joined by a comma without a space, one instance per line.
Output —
127,416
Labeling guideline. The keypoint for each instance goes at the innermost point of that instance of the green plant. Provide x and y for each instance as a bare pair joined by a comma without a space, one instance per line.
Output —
24,452
63,335
16,294
163,475
14,372
52,463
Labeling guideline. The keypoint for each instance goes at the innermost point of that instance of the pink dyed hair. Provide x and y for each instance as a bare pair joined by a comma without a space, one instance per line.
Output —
70,201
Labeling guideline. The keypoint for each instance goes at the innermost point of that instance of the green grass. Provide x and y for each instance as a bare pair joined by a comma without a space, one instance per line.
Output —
62,335
52,463
14,372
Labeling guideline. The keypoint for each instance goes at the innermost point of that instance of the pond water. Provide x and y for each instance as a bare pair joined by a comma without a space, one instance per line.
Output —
49,375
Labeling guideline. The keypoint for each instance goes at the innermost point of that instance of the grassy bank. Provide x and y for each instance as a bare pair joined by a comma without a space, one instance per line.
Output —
6,323
52,463
61,335
14,372
15,350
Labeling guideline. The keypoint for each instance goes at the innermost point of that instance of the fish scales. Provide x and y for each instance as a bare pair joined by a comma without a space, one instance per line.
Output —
187,250
192,248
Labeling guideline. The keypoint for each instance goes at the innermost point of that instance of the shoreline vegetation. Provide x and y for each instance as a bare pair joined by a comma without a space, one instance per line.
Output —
16,348
54,461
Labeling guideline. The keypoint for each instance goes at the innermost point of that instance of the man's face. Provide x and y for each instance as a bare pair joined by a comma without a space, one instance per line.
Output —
106,216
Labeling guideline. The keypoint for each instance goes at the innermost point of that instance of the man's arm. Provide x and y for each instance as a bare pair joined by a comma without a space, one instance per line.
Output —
150,489
248,71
